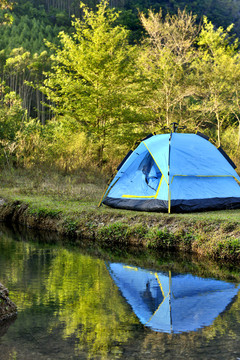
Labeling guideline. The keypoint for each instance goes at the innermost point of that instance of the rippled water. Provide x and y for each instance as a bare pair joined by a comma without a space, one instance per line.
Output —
73,305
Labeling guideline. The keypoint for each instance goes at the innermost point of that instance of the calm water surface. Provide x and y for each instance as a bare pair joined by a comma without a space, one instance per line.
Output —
73,305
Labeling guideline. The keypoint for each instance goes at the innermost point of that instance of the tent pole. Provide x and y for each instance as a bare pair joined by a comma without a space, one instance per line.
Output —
105,194
169,193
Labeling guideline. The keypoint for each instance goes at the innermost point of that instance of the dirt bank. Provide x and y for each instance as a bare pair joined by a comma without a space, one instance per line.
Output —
212,238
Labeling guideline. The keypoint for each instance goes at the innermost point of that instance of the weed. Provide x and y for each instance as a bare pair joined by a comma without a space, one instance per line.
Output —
70,227
230,246
116,233
43,212
157,238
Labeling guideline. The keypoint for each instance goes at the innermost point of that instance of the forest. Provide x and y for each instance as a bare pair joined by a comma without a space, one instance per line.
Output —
81,82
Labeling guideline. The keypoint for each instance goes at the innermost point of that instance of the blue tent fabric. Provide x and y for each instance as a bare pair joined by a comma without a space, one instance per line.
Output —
175,173
172,303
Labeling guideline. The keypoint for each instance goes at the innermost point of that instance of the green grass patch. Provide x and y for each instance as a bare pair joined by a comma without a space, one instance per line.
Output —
74,204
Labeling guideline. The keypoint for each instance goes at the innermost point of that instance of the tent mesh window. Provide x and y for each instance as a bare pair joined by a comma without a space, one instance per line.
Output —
150,171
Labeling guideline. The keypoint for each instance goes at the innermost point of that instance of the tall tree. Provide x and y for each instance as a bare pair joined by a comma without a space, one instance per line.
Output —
165,61
213,74
92,76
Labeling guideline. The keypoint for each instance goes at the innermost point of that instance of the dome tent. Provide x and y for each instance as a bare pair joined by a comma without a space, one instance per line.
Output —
175,172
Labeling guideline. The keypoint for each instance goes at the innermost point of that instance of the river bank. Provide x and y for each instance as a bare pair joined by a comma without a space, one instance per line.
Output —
70,208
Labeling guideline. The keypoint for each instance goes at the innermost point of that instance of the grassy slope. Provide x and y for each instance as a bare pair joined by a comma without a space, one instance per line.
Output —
74,199
73,194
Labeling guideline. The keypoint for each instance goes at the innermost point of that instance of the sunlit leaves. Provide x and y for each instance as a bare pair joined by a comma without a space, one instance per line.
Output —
92,75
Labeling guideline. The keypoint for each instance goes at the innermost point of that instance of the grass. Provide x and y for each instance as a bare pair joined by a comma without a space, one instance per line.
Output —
73,201
72,194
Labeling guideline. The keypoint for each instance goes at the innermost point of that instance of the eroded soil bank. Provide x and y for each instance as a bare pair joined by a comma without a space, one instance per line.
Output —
216,239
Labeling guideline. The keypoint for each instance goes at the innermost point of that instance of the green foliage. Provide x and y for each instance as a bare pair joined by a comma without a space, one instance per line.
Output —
165,60
229,246
44,212
113,233
160,239
30,27
12,119
57,144
214,67
92,77
98,94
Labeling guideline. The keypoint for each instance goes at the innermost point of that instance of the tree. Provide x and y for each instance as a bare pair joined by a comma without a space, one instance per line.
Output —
233,67
5,16
6,4
12,118
165,63
213,73
92,77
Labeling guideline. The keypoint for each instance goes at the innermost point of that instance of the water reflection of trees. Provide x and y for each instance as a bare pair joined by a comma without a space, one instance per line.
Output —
86,302
89,303
91,309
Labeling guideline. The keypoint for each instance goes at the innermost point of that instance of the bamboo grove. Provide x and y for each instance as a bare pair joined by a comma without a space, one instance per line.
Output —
88,94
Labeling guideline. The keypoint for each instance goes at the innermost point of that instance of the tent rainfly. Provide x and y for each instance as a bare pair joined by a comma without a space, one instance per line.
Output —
172,303
176,173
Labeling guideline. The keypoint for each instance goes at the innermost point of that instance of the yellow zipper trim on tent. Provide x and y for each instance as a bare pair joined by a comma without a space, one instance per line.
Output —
155,311
164,297
160,183
137,196
168,183
130,268
146,197
152,196
105,194
236,180
160,285
207,176
155,161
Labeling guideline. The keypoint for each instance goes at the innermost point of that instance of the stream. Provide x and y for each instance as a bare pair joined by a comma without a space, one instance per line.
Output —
89,303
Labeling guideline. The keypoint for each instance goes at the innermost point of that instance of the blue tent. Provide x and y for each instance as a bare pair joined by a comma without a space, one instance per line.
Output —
172,303
175,173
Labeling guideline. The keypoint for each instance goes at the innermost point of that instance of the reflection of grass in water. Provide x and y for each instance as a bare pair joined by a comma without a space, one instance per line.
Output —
222,324
89,303
222,336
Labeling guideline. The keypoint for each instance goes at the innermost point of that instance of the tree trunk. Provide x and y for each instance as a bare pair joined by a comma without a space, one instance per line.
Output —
218,129
238,133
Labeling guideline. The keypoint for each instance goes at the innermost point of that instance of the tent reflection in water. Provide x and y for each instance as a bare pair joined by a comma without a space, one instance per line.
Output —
172,303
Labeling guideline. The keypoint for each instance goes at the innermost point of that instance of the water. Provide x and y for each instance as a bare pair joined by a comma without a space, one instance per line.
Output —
76,304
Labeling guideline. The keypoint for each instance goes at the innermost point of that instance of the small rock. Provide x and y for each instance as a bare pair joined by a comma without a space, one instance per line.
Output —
2,202
7,307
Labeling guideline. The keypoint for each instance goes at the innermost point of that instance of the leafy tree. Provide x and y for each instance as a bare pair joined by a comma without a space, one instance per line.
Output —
166,57
92,78
5,16
12,118
216,53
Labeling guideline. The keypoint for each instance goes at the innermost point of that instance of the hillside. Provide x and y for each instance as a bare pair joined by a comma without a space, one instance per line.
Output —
35,21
